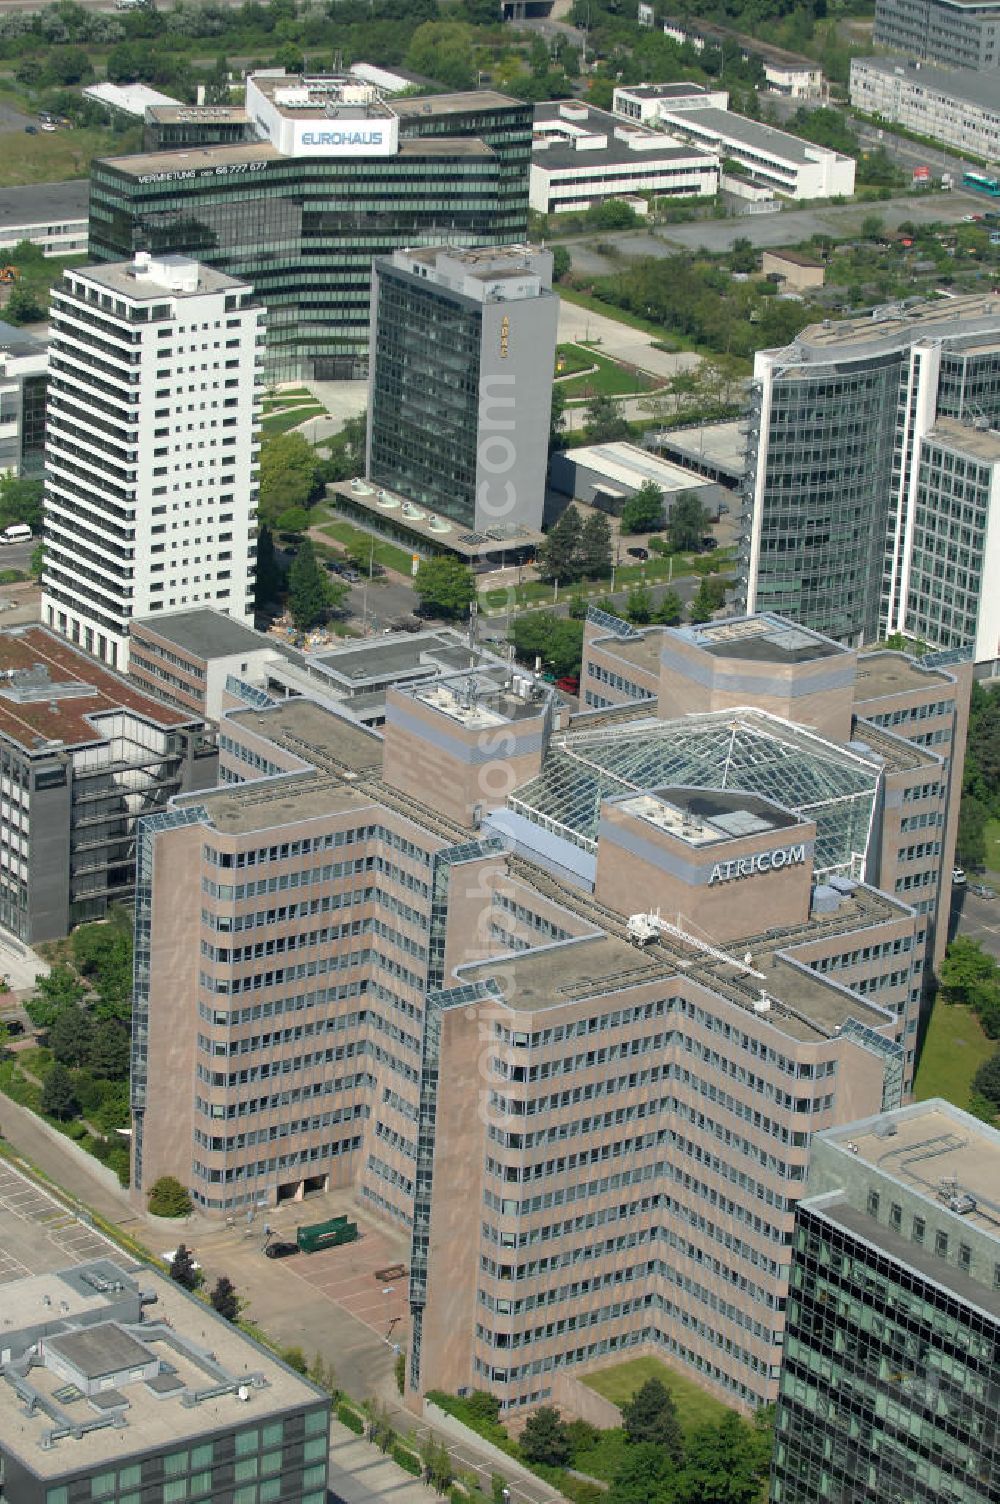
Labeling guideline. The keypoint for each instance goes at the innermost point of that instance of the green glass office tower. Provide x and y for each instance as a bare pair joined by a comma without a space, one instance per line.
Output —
890,1382
337,176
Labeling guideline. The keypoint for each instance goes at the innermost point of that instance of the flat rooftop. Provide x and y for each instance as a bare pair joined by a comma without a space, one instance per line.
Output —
483,699
765,139
980,443
57,704
719,444
936,1152
665,91
964,85
705,817
628,465
459,103
422,523
644,652
45,204
892,325
552,150
199,114
206,634
204,1353
127,278
315,733
890,673
330,97
763,639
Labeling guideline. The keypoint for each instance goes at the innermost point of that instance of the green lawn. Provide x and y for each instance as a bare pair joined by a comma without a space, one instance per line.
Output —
55,156
694,1406
571,359
389,555
954,1049
282,419
993,845
611,379
596,305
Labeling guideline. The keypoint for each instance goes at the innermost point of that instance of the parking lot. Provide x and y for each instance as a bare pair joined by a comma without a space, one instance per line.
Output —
977,918
38,1233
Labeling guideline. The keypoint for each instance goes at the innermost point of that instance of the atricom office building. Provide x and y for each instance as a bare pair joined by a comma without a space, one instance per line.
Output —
328,172
567,997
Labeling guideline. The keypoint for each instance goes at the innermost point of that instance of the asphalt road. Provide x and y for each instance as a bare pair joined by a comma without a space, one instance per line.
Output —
13,120
17,555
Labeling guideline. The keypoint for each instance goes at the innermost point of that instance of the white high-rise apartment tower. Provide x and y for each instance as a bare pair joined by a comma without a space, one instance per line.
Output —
151,448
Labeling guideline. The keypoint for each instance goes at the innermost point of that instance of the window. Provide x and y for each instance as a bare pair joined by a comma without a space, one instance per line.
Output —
102,1485
941,1244
919,1228
895,1216
964,1257
873,1203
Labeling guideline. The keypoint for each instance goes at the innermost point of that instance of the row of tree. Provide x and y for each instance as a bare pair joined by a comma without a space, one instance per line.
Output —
980,776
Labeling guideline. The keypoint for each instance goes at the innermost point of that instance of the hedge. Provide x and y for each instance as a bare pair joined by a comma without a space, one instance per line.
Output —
351,1419
406,1460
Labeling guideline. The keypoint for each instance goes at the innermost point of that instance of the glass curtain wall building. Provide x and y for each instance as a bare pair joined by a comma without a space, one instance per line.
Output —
837,424
889,1388
300,214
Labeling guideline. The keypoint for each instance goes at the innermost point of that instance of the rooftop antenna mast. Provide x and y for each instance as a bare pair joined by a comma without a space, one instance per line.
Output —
473,623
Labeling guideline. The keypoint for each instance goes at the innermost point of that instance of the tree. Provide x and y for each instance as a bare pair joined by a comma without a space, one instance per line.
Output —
557,417
60,989
71,1036
182,1269
986,1081
59,1099
562,263
556,640
289,475
294,520
270,576
687,523
722,1466
544,1438
651,1416
708,598
593,554
645,1477
557,556
110,1051
965,969
224,1298
578,606
643,512
23,307
37,561
639,605
743,257
443,50
168,1198
604,421
309,590
20,500
670,611
445,585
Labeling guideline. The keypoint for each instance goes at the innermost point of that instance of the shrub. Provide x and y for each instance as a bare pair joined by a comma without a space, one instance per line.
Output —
350,1419
168,1198
406,1460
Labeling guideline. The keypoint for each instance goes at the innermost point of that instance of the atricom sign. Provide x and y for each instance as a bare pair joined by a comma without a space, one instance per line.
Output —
764,861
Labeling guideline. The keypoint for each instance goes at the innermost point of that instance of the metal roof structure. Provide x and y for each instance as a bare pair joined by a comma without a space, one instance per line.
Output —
732,749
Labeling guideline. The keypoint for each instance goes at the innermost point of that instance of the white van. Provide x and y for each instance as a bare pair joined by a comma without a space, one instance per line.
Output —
18,532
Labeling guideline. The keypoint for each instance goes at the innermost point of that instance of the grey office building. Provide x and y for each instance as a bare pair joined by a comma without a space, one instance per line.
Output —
956,33
116,1385
890,1389
460,383
82,755
839,426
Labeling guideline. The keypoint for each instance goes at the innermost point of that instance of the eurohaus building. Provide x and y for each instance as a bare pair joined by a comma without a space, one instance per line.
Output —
329,175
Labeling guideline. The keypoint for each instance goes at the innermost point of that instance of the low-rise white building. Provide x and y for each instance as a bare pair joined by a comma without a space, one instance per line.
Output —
647,102
790,166
128,99
955,106
582,156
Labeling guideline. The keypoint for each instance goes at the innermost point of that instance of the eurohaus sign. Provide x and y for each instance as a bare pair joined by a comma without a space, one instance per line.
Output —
764,861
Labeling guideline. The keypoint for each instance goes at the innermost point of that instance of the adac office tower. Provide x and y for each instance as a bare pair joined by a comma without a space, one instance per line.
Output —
331,174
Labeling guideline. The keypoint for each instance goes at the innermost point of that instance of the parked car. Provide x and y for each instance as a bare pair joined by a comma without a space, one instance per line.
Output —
31,130
708,544
569,684
637,553
958,878
350,574
281,1250
983,890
